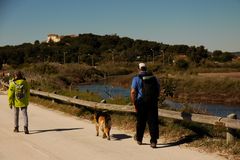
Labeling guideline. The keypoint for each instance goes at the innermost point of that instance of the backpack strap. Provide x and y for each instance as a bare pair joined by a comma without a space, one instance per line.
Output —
140,76
146,77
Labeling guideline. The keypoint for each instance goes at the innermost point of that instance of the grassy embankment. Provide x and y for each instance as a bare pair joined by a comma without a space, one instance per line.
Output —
209,83
201,89
191,85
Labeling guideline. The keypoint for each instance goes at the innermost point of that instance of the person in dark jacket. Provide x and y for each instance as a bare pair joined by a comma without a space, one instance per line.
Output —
146,107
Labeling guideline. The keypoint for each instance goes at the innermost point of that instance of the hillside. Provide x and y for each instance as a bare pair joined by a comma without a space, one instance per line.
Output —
95,49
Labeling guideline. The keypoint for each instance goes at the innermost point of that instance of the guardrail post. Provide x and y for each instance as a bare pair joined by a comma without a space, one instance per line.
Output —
103,101
53,100
231,132
75,97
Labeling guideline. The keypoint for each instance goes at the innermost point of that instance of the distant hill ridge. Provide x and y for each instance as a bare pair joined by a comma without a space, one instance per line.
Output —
96,49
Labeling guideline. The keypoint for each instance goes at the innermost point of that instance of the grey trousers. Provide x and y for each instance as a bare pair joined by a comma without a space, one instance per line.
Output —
16,116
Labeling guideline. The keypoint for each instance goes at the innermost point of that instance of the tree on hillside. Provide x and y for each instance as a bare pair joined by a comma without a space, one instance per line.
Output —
197,54
180,48
219,56
182,64
3,55
124,43
108,42
1,63
89,39
37,43
76,49
226,56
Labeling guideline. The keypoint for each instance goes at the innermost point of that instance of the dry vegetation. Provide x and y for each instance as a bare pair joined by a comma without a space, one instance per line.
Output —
221,75
217,86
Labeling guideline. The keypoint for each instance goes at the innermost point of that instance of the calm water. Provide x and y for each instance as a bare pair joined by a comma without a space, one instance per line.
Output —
105,91
214,109
108,91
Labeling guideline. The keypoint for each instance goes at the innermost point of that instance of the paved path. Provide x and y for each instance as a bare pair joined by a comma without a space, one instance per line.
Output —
56,136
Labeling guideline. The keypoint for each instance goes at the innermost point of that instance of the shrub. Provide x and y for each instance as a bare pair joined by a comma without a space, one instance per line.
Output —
182,64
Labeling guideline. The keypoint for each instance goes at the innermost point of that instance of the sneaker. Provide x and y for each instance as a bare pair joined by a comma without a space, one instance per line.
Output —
26,130
16,129
153,145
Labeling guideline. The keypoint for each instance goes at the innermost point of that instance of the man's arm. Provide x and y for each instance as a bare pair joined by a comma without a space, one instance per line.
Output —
133,97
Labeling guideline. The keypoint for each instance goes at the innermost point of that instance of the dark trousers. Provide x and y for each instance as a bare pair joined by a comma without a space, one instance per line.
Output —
147,113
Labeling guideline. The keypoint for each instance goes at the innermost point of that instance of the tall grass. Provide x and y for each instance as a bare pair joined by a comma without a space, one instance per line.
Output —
53,76
117,68
208,85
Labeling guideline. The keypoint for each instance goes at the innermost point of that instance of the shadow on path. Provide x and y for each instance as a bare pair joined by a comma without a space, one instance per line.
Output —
186,139
119,137
53,130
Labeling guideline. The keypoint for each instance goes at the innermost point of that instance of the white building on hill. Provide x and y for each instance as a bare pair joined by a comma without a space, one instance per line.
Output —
57,38
53,38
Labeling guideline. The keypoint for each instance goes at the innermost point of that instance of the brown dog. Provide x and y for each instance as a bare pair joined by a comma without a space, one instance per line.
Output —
103,123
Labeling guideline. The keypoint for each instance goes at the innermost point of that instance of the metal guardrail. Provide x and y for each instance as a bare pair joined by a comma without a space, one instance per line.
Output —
207,119
200,118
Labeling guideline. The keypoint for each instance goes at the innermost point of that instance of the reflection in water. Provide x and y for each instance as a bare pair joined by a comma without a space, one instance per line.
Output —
108,91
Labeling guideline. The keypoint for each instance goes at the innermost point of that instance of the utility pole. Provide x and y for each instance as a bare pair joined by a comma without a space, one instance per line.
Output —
112,51
92,60
64,57
163,56
152,55
113,57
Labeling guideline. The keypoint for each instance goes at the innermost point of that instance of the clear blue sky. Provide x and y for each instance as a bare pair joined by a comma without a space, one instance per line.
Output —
212,23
